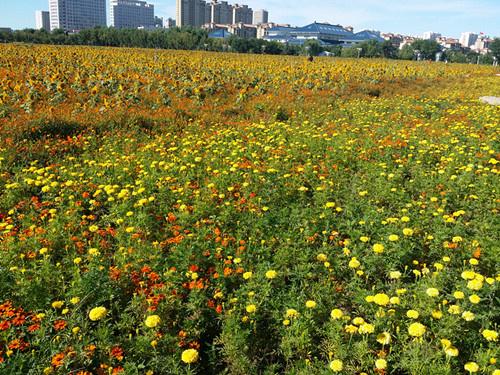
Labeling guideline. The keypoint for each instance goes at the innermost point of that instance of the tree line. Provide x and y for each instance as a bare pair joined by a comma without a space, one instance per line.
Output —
197,39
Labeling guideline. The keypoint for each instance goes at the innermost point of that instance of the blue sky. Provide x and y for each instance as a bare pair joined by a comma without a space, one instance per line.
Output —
450,17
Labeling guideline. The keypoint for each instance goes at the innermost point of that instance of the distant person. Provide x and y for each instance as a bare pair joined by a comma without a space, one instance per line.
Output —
310,59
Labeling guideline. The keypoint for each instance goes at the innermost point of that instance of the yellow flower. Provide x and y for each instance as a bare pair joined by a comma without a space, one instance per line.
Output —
394,275
77,260
336,314
468,316
475,284
451,351
322,257
336,365
57,304
75,330
471,367
378,248
381,299
330,204
412,314
93,228
395,300
408,231
247,275
446,343
468,275
454,309
381,364
490,335
432,292
97,313
475,299
351,329
366,328
354,263
292,313
416,329
190,356
459,295
271,274
437,314
152,321
251,309
310,304
384,338
358,321
393,237
286,322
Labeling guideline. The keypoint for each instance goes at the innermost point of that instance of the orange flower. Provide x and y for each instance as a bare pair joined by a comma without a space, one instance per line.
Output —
58,360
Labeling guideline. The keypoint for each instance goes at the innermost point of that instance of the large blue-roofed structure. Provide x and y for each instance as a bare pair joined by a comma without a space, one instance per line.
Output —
324,33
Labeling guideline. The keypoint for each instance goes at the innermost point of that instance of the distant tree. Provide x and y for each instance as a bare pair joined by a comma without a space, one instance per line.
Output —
389,51
312,48
427,48
370,48
495,48
350,52
406,53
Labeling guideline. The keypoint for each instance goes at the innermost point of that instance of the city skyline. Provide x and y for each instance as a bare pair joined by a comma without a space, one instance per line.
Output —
449,18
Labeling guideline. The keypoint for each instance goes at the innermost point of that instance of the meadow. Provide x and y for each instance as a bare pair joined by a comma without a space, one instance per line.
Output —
169,212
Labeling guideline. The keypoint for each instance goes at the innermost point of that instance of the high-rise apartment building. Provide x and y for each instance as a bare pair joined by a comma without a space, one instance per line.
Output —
132,14
430,35
192,13
468,39
74,15
260,16
42,20
242,13
221,12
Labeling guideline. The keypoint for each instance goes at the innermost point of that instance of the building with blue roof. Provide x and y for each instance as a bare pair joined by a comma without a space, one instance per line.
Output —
326,34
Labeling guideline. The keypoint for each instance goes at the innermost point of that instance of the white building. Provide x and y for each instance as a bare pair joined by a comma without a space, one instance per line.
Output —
132,14
260,16
74,15
468,39
430,35
42,20
169,23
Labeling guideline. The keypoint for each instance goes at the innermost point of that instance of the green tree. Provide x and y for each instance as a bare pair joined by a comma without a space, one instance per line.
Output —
495,48
312,48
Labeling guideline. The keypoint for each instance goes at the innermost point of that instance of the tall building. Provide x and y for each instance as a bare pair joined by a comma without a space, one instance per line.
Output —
74,15
132,14
260,16
468,39
242,13
430,35
42,20
169,23
192,13
221,12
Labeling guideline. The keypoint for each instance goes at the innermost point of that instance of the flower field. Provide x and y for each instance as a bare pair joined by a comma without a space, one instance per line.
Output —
178,212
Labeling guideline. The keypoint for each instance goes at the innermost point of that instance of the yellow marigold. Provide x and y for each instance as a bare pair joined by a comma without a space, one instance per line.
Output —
93,228
350,328
251,309
322,257
451,351
271,274
381,299
394,275
366,328
393,237
247,275
437,314
381,364
358,321
74,300
432,292
468,275
471,367
459,295
408,231
336,314
354,263
395,300
475,284
468,316
310,304
152,321
336,365
412,314
416,329
190,356
490,335
97,313
57,304
454,309
384,338
292,313
378,248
